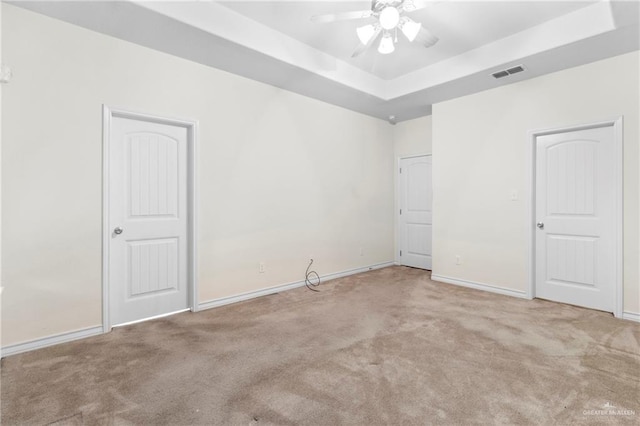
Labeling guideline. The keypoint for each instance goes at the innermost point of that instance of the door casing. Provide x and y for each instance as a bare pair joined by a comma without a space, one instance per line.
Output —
192,130
530,198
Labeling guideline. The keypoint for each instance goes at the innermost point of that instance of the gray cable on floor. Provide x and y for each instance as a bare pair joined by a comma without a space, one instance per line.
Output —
311,275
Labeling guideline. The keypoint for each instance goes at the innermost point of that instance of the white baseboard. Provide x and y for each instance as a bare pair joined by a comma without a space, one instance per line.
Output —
272,290
631,316
480,286
93,331
50,341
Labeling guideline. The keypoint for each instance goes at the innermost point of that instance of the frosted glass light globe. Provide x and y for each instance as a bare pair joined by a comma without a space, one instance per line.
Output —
365,33
389,18
386,44
411,29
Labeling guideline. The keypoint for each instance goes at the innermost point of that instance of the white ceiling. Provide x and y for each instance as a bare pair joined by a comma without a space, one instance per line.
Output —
461,26
275,42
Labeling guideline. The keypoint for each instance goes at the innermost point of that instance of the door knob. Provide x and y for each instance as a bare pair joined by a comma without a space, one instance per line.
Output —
540,225
118,231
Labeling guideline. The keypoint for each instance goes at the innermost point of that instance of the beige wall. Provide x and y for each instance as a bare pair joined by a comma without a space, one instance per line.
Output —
479,144
280,176
1,285
412,137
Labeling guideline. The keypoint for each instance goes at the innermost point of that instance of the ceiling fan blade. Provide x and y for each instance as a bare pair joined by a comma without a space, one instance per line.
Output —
426,37
333,17
359,50
362,47
411,5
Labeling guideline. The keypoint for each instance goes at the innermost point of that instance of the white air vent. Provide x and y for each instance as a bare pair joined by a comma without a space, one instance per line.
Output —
508,71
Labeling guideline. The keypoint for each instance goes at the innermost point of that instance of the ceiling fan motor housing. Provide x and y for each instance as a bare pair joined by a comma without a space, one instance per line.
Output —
389,18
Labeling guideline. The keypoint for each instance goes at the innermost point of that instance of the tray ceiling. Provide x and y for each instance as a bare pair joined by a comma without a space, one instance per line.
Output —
461,27
276,43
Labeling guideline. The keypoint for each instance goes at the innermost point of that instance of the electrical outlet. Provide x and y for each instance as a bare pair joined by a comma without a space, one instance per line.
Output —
513,196
458,259
361,251
262,267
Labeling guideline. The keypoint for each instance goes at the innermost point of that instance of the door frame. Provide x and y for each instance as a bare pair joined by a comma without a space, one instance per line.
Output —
108,113
617,124
397,200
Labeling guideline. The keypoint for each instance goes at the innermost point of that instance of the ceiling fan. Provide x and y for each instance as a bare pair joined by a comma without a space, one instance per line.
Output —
390,18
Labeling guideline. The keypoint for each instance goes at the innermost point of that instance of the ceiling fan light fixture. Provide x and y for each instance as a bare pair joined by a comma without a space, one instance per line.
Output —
410,29
386,44
389,18
365,33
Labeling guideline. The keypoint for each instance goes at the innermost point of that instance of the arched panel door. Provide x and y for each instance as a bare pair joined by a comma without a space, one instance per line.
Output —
416,212
575,218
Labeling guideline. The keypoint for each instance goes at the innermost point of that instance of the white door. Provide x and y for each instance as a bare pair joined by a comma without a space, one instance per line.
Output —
575,215
415,212
148,215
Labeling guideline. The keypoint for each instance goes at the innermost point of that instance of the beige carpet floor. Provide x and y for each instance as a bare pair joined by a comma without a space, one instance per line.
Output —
384,347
